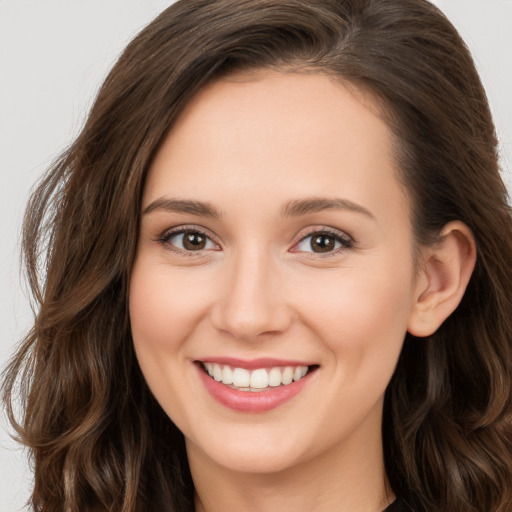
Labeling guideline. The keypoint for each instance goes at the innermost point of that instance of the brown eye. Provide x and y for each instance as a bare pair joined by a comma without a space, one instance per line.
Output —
322,243
194,241
188,241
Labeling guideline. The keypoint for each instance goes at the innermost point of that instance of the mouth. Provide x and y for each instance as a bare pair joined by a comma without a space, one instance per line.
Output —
254,386
262,379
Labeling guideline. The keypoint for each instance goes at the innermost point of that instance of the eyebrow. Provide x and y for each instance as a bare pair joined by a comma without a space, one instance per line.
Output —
293,208
183,206
300,207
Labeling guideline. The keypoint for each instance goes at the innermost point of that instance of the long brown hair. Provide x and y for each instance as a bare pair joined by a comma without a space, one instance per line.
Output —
99,440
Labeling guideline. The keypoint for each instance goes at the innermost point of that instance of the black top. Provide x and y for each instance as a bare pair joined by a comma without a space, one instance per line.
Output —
397,506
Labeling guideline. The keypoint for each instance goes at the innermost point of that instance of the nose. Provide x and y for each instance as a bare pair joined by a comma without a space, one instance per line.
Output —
252,302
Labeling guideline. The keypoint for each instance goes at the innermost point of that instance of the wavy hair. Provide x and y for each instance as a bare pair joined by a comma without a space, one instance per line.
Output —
98,439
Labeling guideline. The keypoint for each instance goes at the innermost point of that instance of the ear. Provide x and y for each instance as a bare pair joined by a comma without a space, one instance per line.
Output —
446,268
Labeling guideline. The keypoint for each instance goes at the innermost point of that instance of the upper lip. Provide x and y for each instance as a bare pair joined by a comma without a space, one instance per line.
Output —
253,364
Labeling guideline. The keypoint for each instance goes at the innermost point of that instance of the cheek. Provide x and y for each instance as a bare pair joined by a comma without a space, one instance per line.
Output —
164,311
164,308
361,315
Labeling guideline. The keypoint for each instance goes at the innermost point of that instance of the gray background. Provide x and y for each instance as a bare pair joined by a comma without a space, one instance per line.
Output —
53,56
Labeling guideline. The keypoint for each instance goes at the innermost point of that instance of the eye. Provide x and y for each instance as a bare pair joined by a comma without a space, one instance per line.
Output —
188,240
323,242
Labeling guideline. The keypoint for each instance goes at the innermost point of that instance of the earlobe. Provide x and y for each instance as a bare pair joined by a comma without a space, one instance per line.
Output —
446,270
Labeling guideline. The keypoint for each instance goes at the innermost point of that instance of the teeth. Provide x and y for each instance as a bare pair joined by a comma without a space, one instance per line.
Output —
259,379
227,375
288,375
217,372
256,380
241,378
274,377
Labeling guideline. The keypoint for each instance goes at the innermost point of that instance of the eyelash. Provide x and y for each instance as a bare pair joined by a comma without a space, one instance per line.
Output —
345,241
168,235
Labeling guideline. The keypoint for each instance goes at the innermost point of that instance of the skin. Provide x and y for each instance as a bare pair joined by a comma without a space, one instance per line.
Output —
248,146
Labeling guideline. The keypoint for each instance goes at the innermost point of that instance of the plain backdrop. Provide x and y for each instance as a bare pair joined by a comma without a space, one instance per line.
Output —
53,57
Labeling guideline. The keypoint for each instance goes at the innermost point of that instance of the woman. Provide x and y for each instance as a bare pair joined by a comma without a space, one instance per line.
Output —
277,273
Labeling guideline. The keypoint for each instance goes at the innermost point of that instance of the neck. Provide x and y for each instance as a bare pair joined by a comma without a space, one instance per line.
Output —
348,478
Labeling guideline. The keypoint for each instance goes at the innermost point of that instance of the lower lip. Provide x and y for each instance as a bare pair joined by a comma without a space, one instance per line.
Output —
251,401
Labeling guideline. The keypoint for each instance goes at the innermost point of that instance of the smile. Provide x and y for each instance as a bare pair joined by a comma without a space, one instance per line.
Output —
254,386
260,379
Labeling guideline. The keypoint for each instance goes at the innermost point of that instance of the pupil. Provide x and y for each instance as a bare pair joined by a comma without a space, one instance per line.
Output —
322,243
194,241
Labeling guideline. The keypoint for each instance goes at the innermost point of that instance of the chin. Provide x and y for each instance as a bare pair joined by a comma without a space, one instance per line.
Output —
257,454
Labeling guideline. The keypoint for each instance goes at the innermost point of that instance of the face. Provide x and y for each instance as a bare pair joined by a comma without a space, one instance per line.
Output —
274,277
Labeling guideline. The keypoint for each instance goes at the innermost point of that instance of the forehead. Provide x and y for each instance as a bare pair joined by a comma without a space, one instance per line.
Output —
277,134
282,101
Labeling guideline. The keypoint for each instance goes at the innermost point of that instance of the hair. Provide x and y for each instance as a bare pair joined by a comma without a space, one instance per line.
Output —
98,439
